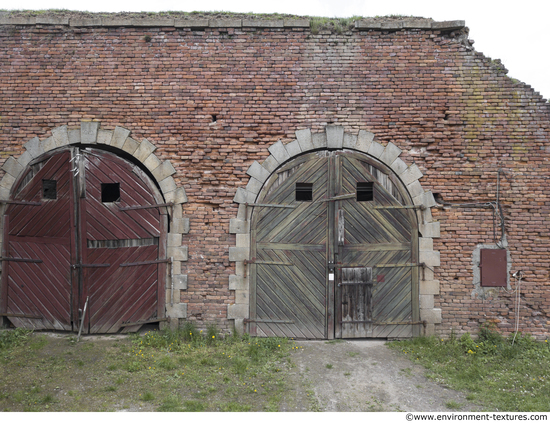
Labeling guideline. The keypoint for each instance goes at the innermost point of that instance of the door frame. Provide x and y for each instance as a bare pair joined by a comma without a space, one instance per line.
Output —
335,137
139,153
334,183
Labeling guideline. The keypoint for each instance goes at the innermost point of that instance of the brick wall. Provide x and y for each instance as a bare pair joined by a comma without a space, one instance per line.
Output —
212,100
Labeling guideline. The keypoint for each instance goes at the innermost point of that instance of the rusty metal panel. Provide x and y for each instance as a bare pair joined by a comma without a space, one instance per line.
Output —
493,264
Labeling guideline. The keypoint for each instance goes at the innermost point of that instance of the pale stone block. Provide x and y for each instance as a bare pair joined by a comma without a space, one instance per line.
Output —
12,167
178,253
119,137
7,181
261,23
412,174
4,194
48,144
256,170
167,185
426,216
350,141
391,152
130,145
176,211
270,164
278,151
176,311
426,301
415,189
375,149
191,23
254,185
144,150
235,311
241,196
34,147
335,136
399,166
60,135
176,196
180,282
428,287
319,140
241,296
152,162
238,325
242,240
431,315
237,282
225,23
238,226
238,253
174,239
163,171
296,23
24,159
176,267
180,225
430,230
303,136
74,136
364,140
104,136
88,132
293,148
426,244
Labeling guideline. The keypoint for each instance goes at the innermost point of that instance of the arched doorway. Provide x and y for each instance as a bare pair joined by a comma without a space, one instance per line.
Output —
84,229
334,250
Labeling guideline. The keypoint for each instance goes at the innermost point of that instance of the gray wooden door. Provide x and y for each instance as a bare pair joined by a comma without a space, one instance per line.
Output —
327,260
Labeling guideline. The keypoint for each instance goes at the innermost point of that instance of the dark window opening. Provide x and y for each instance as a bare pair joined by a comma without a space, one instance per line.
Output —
214,118
49,189
110,193
365,191
304,191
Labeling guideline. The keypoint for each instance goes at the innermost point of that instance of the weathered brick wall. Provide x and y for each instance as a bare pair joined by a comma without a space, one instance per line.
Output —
213,100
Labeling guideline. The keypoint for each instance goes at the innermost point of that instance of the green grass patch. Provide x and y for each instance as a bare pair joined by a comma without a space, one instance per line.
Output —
171,371
499,373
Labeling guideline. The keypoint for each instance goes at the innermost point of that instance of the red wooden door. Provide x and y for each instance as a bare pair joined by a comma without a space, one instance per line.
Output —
83,225
121,229
39,248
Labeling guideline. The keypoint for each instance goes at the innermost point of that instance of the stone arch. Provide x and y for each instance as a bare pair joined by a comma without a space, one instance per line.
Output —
90,133
335,138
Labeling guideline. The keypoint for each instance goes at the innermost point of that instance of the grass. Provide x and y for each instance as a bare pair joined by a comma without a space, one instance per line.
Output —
497,372
172,371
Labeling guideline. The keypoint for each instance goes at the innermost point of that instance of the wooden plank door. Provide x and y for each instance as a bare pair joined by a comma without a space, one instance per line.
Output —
39,247
289,293
122,237
376,259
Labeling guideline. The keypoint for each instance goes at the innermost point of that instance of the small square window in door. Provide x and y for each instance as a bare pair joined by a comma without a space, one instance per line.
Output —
49,189
365,191
110,193
304,191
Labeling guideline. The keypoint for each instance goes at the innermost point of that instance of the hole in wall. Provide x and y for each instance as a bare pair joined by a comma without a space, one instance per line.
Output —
110,193
214,118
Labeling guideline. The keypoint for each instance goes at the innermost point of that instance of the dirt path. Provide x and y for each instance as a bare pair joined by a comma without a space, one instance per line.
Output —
365,375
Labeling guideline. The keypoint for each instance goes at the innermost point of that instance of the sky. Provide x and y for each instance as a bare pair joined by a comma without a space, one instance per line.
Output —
515,32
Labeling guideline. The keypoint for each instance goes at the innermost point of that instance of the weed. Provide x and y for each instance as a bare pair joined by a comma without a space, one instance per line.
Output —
495,371
353,353
347,374
453,405
148,396
13,338
171,404
110,389
329,366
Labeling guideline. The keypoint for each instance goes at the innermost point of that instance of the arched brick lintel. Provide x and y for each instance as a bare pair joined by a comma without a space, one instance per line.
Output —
90,133
334,138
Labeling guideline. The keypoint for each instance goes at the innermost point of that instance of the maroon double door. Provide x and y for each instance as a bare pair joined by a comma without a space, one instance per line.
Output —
83,236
